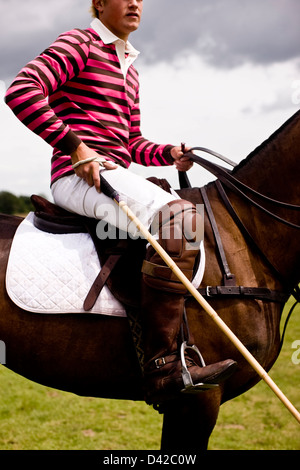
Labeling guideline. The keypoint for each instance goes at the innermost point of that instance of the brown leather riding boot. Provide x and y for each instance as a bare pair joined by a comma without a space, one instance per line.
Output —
169,368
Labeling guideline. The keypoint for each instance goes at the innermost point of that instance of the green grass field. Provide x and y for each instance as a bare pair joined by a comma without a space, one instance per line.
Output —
33,417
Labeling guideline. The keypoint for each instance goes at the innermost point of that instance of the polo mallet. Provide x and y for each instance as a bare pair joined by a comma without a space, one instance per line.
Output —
113,194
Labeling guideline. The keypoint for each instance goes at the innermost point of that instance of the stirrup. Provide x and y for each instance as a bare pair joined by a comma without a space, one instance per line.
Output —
189,386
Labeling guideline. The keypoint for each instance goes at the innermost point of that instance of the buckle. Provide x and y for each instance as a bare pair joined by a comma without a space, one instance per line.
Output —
159,362
207,291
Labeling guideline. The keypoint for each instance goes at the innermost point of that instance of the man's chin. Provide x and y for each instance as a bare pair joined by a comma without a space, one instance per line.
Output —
133,24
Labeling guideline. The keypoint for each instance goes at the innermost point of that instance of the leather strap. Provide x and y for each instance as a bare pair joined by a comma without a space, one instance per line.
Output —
162,361
242,227
260,293
163,272
100,281
229,278
237,186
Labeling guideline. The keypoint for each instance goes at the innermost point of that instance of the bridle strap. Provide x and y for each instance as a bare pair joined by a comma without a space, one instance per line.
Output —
220,171
234,184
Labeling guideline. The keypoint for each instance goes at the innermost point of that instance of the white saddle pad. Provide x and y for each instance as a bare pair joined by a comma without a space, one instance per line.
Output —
50,273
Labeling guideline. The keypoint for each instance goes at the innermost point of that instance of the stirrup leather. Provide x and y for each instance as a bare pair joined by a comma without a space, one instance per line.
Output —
189,386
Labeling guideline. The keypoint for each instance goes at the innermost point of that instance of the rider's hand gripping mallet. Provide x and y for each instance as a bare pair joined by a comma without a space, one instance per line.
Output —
113,194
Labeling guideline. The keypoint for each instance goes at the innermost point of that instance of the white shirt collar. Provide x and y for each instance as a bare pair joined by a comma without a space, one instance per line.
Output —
110,38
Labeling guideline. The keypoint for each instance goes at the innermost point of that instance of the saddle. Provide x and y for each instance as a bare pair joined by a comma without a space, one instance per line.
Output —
121,258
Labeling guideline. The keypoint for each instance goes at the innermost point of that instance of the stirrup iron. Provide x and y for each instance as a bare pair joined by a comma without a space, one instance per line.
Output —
189,386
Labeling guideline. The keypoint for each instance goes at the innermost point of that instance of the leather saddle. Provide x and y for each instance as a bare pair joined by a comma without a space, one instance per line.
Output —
120,258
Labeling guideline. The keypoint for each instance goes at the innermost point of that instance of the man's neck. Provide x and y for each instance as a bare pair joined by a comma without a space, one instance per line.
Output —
122,36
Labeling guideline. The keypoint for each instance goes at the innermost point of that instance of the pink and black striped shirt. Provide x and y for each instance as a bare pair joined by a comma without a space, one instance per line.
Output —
75,92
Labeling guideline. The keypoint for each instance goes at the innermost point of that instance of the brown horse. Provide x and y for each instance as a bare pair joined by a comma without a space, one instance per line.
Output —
93,355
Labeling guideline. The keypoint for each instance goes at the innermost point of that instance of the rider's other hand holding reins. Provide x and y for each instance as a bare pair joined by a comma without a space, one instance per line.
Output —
89,172
182,163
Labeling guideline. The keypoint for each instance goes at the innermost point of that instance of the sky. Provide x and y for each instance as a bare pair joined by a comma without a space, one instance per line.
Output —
220,74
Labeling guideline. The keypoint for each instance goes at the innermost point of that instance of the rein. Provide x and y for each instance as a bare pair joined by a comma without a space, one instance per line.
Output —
237,186
233,183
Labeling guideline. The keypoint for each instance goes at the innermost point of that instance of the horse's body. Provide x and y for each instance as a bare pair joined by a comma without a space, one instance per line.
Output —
93,355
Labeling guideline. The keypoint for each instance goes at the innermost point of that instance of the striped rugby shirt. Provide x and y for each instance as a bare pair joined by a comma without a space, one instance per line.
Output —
75,92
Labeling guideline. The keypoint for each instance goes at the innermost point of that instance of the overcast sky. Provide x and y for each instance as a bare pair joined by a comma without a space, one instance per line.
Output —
222,74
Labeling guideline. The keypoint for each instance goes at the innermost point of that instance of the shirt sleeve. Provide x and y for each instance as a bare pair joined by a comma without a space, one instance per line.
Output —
28,94
143,151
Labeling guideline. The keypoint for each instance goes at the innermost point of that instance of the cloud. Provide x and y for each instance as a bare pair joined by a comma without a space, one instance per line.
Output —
27,28
230,111
25,158
225,33
222,74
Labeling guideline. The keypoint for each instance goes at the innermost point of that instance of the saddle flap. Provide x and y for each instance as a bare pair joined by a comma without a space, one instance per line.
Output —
124,279
51,218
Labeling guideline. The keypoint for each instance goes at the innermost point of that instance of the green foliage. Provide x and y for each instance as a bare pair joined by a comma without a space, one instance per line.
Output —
11,204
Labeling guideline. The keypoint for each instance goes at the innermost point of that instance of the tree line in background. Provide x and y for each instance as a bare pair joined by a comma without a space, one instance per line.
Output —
11,204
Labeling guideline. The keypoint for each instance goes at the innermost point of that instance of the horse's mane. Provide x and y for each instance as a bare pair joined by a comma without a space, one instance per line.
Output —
262,146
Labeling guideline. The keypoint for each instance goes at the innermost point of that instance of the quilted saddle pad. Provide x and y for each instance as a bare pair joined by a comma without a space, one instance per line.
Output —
50,273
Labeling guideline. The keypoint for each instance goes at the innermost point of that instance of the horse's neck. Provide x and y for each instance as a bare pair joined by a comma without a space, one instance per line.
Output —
273,170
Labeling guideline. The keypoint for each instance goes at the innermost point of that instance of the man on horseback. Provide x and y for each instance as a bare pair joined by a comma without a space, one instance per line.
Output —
92,121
